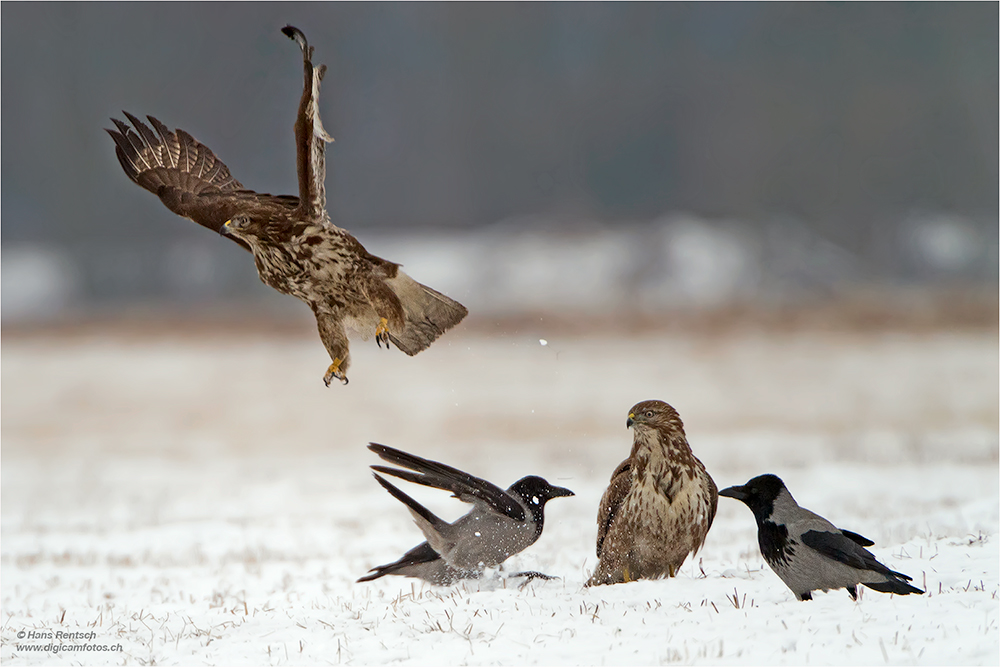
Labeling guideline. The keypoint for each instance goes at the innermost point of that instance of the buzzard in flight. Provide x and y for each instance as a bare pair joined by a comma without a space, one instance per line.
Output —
297,249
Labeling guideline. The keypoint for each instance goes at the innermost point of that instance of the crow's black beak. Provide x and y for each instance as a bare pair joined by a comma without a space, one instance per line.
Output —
559,491
737,492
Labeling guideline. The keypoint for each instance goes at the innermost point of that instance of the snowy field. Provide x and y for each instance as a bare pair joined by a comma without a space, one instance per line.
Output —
207,501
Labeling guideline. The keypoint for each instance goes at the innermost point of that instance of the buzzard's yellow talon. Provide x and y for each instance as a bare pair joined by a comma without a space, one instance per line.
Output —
334,372
382,333
626,578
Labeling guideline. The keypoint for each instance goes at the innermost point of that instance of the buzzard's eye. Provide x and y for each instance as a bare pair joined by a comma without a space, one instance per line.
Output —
649,414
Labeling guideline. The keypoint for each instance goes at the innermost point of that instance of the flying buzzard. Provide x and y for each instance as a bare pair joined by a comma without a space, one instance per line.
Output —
659,505
297,249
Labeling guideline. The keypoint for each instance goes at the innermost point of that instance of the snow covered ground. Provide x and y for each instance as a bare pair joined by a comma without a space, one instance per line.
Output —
207,501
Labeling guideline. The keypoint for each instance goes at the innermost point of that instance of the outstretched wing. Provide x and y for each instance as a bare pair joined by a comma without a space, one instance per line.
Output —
844,549
424,517
611,501
310,137
185,174
464,486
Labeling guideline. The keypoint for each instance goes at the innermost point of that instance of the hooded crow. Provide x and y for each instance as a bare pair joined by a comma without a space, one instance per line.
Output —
808,552
501,523
659,505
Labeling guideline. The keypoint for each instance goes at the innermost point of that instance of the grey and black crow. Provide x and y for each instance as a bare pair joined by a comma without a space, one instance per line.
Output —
808,552
659,505
501,523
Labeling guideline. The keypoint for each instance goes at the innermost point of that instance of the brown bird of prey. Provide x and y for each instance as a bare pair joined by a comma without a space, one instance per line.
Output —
297,249
659,505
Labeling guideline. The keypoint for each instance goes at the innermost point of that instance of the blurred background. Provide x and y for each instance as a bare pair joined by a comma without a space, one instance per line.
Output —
564,158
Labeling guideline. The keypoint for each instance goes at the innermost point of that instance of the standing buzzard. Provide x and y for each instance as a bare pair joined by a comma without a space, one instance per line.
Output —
659,505
297,249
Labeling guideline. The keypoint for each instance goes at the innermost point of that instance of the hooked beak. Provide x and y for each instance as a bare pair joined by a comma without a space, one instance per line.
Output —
737,492
224,229
630,420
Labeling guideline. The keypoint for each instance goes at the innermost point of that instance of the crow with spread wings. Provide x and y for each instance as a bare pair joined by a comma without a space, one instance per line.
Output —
297,249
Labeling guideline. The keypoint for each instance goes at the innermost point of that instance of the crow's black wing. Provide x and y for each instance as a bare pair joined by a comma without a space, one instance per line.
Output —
859,539
841,548
464,486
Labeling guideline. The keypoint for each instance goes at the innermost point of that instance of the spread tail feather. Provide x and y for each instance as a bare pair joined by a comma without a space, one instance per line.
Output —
420,554
428,314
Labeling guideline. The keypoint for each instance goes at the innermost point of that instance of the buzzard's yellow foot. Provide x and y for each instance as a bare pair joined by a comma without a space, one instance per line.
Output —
626,576
334,372
382,333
